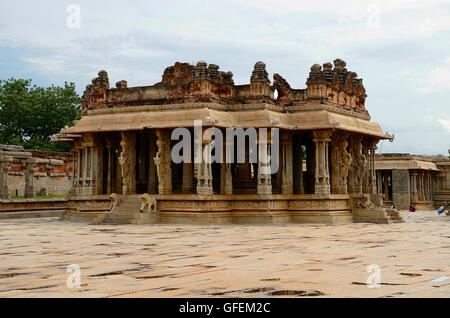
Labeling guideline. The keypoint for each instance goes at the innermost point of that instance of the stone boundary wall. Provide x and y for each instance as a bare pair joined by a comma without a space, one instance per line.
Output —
53,174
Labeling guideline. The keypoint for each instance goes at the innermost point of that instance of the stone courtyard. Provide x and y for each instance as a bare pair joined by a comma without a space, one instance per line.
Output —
173,260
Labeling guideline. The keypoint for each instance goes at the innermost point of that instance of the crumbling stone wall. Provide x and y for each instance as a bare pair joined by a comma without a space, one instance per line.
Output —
185,83
52,174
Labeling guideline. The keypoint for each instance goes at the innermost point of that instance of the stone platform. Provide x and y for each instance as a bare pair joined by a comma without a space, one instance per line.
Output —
32,208
226,209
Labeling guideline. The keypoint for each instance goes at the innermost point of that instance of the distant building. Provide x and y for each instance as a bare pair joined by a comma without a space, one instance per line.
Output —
27,173
420,181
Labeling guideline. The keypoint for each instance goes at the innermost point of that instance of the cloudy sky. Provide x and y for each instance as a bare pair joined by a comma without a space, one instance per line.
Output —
400,48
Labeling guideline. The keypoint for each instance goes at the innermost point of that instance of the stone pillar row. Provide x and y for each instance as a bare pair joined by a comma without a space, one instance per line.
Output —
29,177
88,170
163,162
352,168
5,165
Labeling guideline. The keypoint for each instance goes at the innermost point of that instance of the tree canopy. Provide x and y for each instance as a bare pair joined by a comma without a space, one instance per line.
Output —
30,115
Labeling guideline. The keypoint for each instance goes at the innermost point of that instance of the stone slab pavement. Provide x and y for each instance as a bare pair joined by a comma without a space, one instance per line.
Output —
410,259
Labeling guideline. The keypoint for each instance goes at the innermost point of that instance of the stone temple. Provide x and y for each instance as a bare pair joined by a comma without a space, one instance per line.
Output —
407,180
326,160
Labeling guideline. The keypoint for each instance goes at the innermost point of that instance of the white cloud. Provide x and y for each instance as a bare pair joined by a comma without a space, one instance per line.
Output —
438,79
445,123
393,52
343,7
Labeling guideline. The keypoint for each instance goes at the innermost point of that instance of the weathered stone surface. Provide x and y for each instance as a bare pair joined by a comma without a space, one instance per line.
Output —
183,82
31,171
401,189
152,260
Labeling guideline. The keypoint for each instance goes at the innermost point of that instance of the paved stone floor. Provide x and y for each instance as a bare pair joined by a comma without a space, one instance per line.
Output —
225,261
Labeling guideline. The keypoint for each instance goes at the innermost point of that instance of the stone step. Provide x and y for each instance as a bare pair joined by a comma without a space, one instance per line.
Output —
118,220
126,212
130,207
129,204
128,215
126,209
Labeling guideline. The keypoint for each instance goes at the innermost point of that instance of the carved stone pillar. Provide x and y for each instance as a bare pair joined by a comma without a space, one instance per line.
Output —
425,186
163,162
430,186
5,164
29,177
358,166
300,171
204,173
93,170
264,186
369,180
322,176
379,182
341,161
97,167
73,173
188,178
420,186
297,164
413,182
109,172
226,178
79,172
371,170
85,169
127,161
286,165
311,167
152,174
365,173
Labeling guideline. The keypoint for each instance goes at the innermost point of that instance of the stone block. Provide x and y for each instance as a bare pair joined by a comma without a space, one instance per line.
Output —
401,189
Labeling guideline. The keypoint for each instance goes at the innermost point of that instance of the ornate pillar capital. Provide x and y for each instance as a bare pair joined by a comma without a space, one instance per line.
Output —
322,135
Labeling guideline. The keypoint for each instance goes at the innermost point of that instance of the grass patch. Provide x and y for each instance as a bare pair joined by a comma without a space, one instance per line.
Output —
38,196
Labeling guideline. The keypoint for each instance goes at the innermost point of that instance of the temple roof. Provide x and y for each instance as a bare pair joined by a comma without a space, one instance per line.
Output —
139,118
334,98
404,161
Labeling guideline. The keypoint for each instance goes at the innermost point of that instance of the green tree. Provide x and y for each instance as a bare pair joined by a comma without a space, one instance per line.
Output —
30,115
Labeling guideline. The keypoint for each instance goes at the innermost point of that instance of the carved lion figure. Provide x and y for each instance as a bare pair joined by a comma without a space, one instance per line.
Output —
366,203
114,201
148,203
